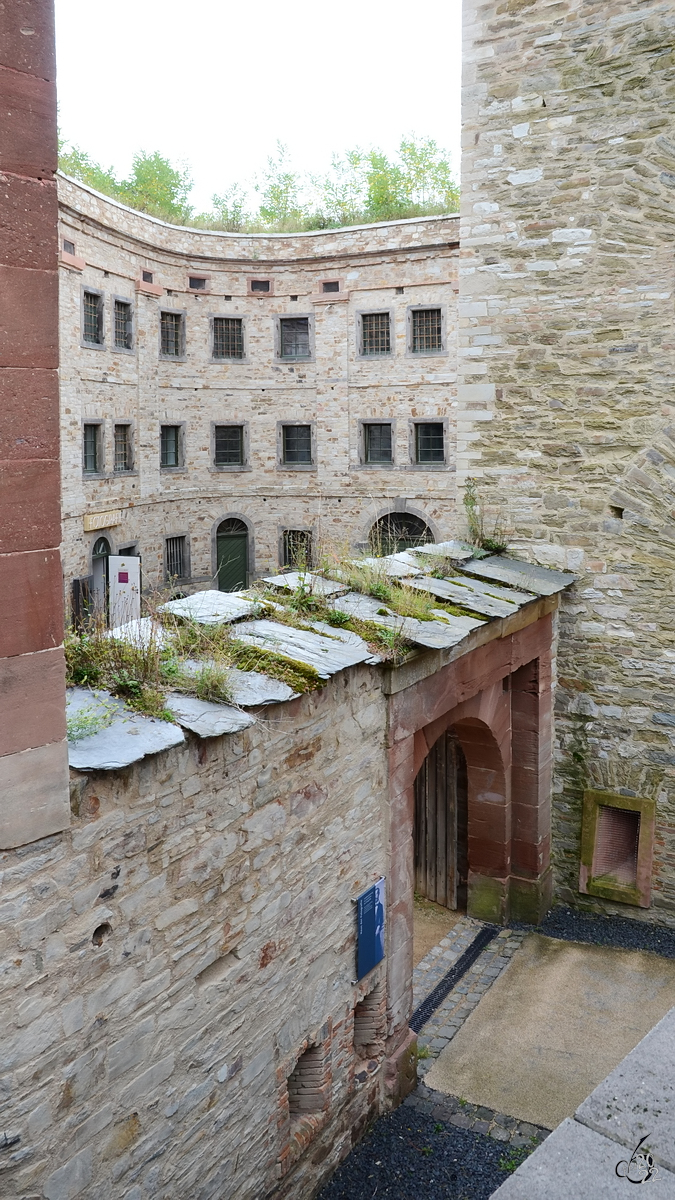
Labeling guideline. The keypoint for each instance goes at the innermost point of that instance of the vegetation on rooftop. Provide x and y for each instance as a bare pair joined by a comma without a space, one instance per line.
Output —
496,541
361,187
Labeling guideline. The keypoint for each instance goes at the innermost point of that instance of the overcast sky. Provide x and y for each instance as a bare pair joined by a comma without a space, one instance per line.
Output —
214,84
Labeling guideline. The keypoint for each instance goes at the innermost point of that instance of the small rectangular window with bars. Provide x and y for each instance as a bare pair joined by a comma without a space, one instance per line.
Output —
229,445
92,449
228,337
92,328
377,443
172,334
197,283
170,446
427,331
375,333
330,285
296,444
429,442
122,448
123,325
176,558
262,286
297,548
294,337
69,247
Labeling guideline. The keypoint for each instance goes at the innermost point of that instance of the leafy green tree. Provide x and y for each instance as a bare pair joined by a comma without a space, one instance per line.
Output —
156,187
229,210
426,176
78,165
279,188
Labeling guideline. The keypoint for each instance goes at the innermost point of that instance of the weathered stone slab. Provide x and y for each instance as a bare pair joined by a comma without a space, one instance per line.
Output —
124,736
250,688
540,580
205,718
35,797
398,566
292,580
328,653
212,607
437,635
459,551
492,589
456,594
142,633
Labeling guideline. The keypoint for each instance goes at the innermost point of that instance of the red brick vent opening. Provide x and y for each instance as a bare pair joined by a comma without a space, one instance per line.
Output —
616,845
307,1085
370,1024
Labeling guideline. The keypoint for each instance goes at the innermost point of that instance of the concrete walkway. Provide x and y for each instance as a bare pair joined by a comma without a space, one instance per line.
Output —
552,1026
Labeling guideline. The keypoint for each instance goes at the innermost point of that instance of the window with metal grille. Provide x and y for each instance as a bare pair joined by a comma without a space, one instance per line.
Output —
197,283
229,445
228,337
377,443
375,333
330,285
429,443
92,448
69,247
398,531
297,444
172,334
123,325
148,277
294,337
93,318
616,845
297,548
260,285
170,446
175,557
122,448
426,330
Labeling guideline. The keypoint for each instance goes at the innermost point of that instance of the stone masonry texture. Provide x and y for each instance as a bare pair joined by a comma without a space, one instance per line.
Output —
566,414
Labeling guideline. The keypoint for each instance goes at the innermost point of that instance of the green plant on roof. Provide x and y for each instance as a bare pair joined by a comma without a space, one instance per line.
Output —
89,720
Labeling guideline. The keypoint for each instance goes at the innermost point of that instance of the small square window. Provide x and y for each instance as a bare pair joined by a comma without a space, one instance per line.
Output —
427,333
330,285
297,548
197,283
176,558
260,285
400,291
93,318
92,449
171,324
122,448
229,445
228,337
169,455
375,333
294,337
377,443
123,325
294,297
429,443
69,247
297,444
148,277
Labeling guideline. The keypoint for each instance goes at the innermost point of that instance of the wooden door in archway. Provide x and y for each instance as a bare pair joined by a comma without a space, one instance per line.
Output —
440,825
232,555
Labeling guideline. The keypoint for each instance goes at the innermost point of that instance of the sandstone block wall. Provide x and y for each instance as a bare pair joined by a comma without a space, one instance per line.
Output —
166,962
566,347
386,267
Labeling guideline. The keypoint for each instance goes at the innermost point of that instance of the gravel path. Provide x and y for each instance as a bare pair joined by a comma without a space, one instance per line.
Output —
410,1155
572,926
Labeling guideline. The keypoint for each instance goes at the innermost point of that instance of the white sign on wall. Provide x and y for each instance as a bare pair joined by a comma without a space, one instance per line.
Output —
124,584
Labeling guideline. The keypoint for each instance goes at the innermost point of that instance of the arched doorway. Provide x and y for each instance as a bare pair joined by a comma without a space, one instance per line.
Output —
398,531
232,555
440,824
99,570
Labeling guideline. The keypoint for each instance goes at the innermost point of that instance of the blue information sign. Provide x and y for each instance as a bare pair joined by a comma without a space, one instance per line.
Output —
370,940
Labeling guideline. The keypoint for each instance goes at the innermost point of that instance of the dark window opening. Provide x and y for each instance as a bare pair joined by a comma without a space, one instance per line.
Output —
227,297
93,318
260,285
377,443
297,444
229,445
175,557
148,277
398,531
197,283
297,548
616,512
294,337
170,446
399,291
294,297
616,845
375,335
122,448
228,337
123,325
426,330
171,332
429,443
92,448
330,285
69,247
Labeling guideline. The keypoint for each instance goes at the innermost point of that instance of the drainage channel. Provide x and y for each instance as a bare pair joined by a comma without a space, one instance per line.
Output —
448,982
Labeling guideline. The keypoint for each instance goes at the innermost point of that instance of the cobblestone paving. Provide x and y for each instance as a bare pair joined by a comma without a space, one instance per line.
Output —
440,958
459,1112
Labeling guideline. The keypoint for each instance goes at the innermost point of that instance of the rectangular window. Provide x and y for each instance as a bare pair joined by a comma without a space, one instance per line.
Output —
123,325
377,443
616,846
330,285
296,444
122,448
172,334
260,285
148,277
69,247
228,337
426,330
375,333
93,318
429,443
294,337
92,449
229,445
175,557
197,283
170,446
297,548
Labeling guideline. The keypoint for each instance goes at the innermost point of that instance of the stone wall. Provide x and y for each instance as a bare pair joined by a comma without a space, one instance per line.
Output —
167,961
566,345
391,267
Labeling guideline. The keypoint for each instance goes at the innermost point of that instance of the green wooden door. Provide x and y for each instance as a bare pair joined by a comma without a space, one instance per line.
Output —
232,561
